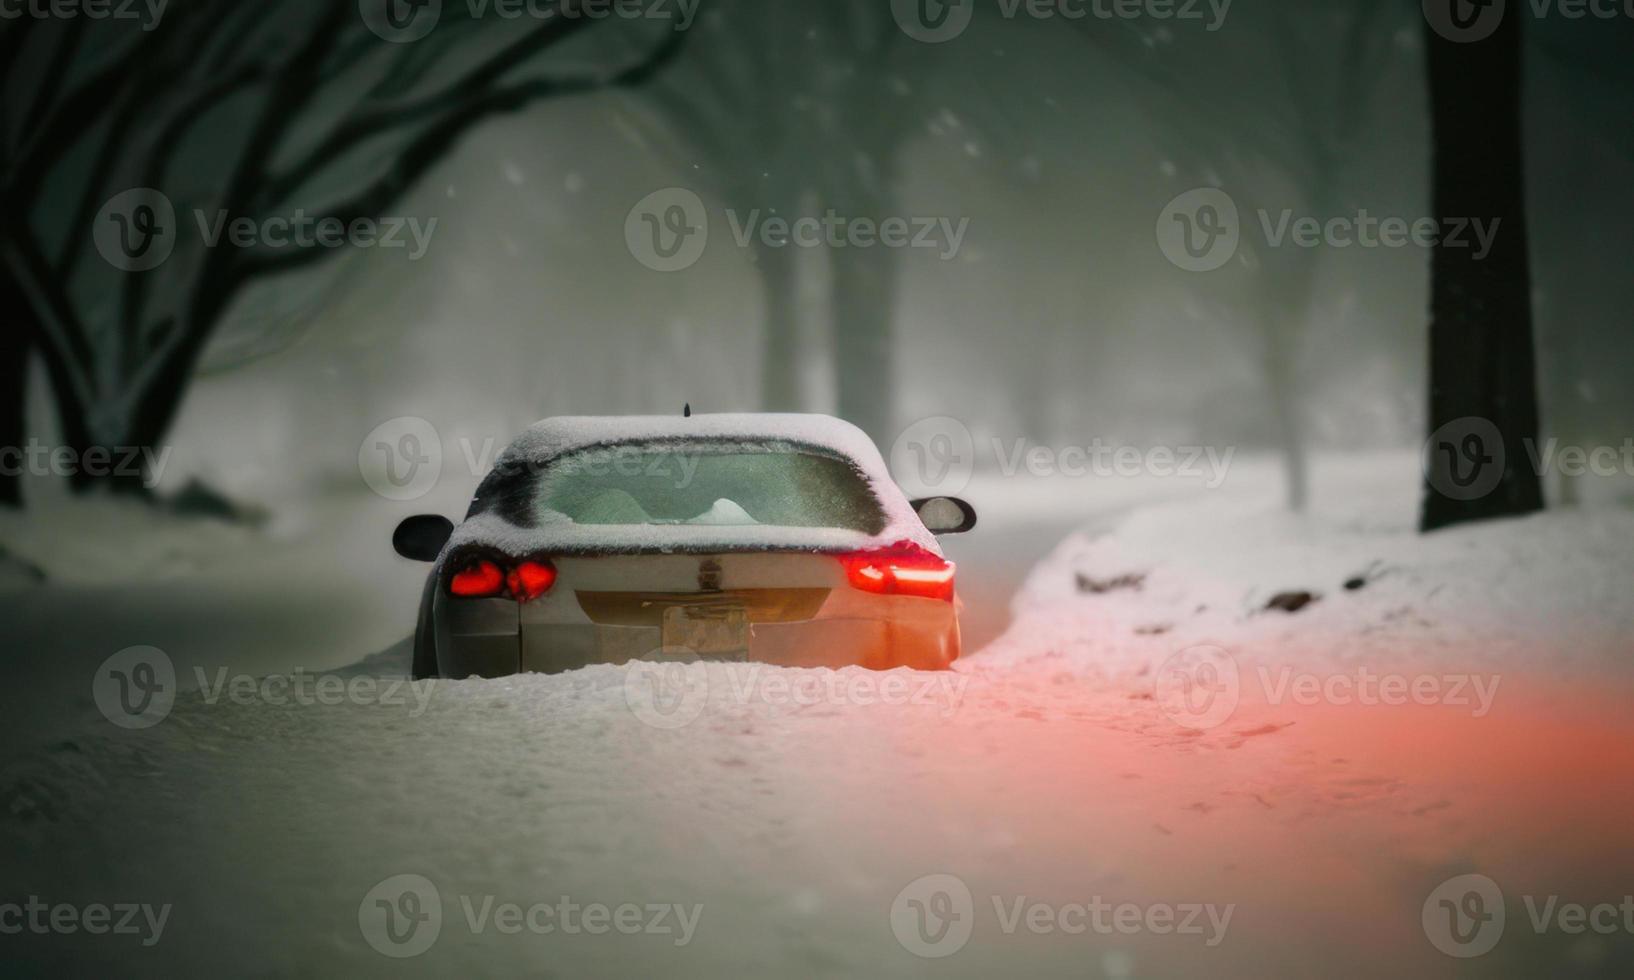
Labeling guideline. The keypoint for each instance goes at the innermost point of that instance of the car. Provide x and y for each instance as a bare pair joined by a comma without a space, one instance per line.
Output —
770,538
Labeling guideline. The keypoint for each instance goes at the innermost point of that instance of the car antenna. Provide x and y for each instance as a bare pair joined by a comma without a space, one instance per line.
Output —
686,412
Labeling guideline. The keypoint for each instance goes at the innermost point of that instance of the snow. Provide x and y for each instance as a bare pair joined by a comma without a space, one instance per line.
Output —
555,438
70,541
795,808
723,513
1499,592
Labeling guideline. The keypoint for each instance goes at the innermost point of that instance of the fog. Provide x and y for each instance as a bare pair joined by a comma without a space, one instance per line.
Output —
1058,320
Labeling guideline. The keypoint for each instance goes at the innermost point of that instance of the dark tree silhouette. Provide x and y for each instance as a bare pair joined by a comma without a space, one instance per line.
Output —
248,110
1483,407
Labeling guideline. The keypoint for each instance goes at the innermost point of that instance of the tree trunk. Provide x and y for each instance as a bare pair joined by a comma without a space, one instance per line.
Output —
779,270
1288,307
863,308
1287,404
1483,386
110,459
16,347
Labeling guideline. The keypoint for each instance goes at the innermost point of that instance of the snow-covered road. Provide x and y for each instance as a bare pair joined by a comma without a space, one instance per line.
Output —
1135,780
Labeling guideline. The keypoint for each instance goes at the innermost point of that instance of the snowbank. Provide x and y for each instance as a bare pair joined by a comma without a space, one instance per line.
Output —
1551,590
800,814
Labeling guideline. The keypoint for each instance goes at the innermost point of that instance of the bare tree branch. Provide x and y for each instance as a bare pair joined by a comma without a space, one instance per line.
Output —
431,146
62,56
80,108
364,124
50,300
223,276
130,108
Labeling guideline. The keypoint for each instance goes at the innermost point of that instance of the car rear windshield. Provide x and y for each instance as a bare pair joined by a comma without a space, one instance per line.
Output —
735,486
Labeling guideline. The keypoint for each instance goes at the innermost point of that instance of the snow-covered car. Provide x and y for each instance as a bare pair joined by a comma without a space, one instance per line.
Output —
773,538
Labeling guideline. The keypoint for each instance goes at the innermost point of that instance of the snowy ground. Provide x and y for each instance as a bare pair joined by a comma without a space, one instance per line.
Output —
1140,749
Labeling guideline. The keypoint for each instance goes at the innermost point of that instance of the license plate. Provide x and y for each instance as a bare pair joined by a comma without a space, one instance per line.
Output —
714,632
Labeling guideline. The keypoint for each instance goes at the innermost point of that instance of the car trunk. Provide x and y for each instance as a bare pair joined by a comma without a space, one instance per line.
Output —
620,608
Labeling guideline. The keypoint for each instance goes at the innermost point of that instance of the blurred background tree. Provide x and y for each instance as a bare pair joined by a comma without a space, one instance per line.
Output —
232,111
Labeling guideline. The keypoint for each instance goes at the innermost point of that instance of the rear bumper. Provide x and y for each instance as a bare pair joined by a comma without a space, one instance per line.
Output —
492,638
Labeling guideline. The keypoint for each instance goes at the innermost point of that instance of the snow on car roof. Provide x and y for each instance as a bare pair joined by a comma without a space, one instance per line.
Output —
555,437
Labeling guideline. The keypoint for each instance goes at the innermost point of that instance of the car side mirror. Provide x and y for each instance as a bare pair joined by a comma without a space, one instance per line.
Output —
945,515
422,538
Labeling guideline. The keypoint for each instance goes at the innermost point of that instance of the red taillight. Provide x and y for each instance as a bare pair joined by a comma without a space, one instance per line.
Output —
902,569
531,579
478,580
484,579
